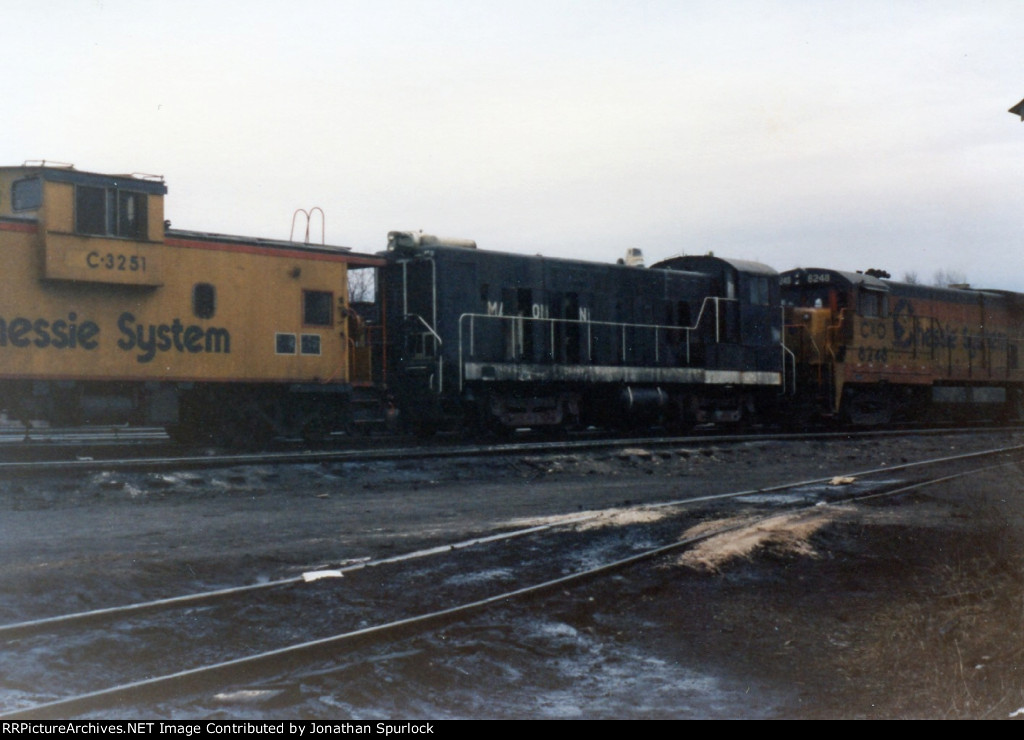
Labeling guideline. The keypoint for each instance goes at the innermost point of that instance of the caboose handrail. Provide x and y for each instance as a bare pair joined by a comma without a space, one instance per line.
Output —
309,218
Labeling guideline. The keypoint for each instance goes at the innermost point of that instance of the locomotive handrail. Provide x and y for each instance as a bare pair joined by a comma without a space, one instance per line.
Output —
832,339
787,351
792,358
718,321
803,329
440,359
552,321
429,328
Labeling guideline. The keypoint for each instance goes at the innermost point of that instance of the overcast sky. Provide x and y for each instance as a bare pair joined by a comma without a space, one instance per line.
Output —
841,134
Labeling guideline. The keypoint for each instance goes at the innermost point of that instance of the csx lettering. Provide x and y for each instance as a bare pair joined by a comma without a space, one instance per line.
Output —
152,338
66,333
117,262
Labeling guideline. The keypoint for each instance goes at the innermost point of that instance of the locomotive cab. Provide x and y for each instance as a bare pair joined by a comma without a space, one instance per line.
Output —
870,350
745,329
824,311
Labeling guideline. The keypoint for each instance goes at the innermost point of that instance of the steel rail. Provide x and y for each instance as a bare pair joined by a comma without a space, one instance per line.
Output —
35,625
199,462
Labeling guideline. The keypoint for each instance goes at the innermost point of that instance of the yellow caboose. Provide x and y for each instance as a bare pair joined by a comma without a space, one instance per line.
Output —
106,314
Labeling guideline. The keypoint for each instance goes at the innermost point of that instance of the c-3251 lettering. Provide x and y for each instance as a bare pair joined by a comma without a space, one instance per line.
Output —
116,262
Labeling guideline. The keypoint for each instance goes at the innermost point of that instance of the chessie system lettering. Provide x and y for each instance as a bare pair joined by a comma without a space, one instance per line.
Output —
145,340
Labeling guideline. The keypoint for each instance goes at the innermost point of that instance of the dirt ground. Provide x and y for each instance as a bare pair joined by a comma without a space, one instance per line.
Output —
907,610
912,608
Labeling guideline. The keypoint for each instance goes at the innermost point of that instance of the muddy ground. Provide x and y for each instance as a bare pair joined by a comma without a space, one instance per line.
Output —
911,608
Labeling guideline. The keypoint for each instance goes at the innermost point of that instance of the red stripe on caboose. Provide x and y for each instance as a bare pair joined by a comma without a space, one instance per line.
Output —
25,228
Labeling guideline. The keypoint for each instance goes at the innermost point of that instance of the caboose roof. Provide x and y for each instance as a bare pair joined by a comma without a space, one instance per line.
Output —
151,184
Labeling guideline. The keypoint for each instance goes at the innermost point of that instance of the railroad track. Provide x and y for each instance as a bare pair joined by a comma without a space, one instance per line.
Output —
209,458
297,626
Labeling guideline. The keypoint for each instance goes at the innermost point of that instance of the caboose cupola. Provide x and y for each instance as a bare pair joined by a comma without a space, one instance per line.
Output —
90,227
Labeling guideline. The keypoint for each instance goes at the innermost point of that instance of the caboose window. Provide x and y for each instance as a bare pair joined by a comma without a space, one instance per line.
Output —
27,194
204,300
284,344
110,212
310,344
316,308
90,210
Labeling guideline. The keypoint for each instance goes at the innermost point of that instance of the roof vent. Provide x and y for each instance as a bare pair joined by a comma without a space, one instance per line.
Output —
634,257
413,239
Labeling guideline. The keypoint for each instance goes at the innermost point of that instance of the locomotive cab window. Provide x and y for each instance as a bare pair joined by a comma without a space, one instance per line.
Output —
873,304
110,212
316,308
204,300
760,291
